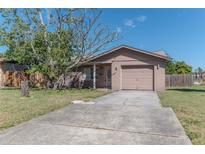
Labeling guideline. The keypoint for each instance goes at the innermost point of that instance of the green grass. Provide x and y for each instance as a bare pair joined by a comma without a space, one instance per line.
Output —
15,109
189,106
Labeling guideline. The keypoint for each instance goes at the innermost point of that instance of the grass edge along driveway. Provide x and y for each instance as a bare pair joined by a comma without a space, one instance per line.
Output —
189,106
15,109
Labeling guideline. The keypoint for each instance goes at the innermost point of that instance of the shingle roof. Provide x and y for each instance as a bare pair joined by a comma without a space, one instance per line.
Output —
134,49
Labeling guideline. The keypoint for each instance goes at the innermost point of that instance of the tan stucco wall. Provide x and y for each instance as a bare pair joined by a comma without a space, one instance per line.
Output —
128,57
159,79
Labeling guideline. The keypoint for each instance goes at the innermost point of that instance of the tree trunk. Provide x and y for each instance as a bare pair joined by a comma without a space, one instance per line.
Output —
24,88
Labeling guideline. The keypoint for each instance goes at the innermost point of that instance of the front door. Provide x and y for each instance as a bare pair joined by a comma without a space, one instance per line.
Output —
107,74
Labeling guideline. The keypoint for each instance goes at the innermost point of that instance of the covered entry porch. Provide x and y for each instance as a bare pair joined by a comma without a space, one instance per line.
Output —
97,75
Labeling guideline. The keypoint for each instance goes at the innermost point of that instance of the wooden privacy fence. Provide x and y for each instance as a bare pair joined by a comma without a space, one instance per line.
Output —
14,78
71,80
182,80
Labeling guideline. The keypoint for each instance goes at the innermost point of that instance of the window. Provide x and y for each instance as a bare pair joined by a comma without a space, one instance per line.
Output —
88,73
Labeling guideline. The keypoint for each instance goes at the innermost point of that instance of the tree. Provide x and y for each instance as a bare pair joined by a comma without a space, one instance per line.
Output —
178,67
53,41
183,68
170,68
199,70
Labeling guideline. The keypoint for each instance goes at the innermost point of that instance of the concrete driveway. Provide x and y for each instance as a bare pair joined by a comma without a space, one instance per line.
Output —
124,117
129,97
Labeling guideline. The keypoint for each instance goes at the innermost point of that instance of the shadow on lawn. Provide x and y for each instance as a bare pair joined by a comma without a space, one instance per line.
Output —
187,90
9,88
17,88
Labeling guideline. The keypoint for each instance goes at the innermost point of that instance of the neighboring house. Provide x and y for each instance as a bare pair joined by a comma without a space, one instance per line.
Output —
127,68
198,77
203,75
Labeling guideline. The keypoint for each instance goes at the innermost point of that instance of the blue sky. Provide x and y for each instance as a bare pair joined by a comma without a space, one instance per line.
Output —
180,32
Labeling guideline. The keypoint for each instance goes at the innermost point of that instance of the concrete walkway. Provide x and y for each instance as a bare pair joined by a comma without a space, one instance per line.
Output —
124,117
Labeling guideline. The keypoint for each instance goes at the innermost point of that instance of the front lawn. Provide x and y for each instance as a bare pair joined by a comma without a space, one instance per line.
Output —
15,109
189,106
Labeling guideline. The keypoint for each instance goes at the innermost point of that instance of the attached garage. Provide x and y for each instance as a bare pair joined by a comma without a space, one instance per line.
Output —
137,77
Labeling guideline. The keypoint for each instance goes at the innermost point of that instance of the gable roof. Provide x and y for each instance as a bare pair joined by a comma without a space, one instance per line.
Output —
133,49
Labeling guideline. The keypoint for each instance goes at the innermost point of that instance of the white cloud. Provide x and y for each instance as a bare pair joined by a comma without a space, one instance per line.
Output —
141,18
130,23
119,30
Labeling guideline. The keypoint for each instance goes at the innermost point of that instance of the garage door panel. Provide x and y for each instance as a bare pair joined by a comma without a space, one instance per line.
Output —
137,77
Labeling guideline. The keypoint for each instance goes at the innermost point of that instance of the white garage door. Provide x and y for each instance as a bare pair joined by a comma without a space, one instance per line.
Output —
137,77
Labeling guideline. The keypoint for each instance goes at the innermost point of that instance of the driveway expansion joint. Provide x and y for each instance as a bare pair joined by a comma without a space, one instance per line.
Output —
118,130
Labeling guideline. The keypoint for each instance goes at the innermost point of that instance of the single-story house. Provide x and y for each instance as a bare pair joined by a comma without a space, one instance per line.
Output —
126,68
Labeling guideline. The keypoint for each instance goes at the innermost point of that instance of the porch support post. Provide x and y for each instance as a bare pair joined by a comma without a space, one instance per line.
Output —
94,76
